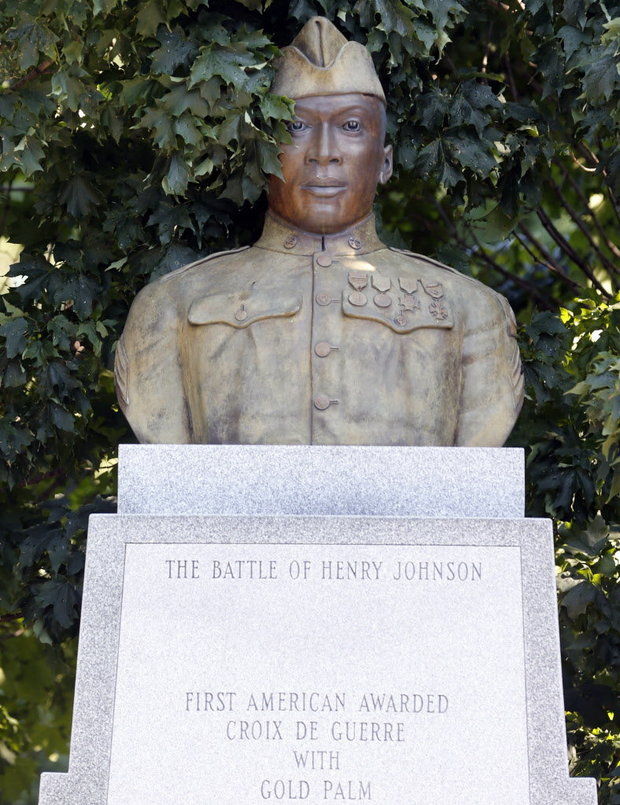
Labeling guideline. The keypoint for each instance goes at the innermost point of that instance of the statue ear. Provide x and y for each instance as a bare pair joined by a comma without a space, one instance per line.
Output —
388,165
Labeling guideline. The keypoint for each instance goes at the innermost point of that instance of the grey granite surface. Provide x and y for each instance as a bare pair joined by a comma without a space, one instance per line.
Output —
312,479
107,624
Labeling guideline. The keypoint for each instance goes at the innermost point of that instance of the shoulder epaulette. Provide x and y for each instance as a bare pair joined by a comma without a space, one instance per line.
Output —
206,259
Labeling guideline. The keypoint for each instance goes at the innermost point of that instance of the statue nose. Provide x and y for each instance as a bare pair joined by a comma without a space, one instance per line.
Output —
323,149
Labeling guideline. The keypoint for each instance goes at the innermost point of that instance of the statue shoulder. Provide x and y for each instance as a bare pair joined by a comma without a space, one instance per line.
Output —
478,294
166,293
198,264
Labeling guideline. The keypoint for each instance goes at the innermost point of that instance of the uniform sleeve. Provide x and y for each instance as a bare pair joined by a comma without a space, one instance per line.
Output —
148,370
492,380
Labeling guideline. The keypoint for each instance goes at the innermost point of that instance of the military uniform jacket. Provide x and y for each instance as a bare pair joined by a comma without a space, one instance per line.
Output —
303,339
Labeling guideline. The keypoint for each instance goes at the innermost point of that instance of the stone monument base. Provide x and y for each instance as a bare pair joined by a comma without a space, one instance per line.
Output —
248,658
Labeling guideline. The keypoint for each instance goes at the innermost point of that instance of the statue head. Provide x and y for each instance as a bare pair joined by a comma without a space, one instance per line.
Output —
338,154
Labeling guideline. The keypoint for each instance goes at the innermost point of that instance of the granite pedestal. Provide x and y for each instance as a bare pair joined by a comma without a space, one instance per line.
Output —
276,652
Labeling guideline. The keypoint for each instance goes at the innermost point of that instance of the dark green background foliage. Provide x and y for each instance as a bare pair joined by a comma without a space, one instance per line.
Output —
135,137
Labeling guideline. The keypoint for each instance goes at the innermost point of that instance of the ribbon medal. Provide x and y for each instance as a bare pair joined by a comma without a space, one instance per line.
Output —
358,281
382,284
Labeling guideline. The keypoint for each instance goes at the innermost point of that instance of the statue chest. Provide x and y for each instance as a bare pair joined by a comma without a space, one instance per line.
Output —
325,351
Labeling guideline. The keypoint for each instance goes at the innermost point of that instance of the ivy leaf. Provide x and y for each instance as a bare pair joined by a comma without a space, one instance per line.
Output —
572,39
149,18
228,65
600,78
14,332
470,152
62,598
578,598
442,10
161,125
177,177
61,418
176,50
186,129
79,196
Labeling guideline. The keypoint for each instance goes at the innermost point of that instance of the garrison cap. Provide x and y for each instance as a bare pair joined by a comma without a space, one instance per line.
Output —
321,61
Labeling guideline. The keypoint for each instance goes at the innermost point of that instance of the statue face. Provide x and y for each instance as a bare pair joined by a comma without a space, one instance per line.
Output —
333,164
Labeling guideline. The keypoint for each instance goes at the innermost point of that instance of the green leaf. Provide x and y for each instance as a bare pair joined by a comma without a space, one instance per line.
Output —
14,332
149,18
572,39
228,65
177,177
578,599
61,418
471,152
186,129
600,78
79,196
176,50
161,124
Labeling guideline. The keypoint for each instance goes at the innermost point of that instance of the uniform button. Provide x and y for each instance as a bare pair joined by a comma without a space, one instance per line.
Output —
241,314
323,349
354,243
322,401
290,242
323,299
324,260
400,320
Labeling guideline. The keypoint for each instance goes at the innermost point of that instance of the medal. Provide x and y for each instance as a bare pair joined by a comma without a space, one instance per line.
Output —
434,289
358,299
358,280
382,284
407,284
438,310
382,300
409,301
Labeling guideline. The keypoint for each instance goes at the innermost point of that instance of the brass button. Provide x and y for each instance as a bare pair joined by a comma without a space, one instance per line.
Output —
241,314
324,260
290,242
354,243
323,349
322,401
323,299
357,298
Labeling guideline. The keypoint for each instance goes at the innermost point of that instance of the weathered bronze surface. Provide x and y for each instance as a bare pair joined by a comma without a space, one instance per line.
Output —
319,333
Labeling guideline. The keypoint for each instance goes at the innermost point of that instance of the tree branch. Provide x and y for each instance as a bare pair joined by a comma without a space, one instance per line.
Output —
531,289
34,73
548,260
575,185
569,251
584,229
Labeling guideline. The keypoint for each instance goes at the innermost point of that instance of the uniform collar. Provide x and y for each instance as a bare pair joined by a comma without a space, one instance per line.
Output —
280,236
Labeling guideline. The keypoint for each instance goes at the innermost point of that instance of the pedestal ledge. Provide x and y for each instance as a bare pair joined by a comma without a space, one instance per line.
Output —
317,479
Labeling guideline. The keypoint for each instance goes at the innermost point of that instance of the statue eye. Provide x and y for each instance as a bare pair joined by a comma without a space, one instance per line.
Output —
352,126
295,126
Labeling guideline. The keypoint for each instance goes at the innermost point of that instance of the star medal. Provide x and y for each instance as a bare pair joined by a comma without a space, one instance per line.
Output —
438,310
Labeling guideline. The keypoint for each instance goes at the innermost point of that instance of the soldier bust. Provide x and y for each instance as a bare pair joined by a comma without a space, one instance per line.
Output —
319,333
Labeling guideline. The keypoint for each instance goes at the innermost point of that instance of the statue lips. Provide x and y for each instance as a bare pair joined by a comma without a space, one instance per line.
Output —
325,188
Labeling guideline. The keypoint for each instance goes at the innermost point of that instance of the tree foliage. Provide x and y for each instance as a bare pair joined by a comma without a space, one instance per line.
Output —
136,136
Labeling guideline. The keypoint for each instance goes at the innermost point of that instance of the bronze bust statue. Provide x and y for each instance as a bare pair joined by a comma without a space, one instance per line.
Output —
319,333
